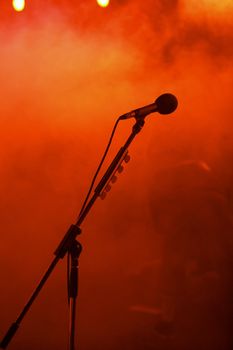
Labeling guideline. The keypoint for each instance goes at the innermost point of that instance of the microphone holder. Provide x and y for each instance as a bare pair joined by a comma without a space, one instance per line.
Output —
70,245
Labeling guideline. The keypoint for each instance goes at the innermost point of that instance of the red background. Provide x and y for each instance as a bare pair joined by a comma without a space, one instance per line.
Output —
68,69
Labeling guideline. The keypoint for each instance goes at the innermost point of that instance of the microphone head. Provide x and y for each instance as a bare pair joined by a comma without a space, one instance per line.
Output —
166,103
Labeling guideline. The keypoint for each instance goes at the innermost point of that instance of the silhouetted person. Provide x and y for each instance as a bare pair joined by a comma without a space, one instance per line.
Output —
189,286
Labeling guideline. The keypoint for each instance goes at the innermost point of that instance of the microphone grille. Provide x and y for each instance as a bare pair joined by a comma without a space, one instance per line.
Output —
166,103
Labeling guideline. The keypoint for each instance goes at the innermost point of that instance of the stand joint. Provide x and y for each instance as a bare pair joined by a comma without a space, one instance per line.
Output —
67,241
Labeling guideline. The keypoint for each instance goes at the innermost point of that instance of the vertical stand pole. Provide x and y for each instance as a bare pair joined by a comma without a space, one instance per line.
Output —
74,251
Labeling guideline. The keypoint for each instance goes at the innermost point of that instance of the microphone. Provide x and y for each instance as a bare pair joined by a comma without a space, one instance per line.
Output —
164,104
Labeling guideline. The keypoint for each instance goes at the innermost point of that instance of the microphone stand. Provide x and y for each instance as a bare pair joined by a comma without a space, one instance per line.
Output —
70,245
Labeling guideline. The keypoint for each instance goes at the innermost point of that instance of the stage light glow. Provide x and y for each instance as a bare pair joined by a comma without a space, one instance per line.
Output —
103,3
18,5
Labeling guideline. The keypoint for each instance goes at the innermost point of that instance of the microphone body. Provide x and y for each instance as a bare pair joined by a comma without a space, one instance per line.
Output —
164,104
140,112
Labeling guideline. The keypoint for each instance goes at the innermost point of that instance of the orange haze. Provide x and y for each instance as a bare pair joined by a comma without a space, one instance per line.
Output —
68,69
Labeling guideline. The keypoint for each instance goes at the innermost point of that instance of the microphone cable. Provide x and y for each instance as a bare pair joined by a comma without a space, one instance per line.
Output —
88,196
99,167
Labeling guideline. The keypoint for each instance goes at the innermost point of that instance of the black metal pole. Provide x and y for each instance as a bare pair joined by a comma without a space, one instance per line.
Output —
74,252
